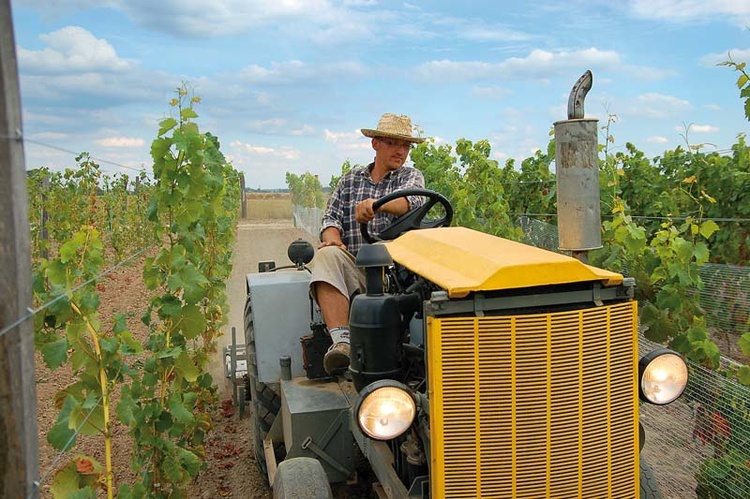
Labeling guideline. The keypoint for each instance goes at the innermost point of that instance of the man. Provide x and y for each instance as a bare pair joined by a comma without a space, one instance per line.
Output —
335,277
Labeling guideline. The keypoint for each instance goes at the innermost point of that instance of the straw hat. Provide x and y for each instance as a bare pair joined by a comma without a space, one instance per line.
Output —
394,126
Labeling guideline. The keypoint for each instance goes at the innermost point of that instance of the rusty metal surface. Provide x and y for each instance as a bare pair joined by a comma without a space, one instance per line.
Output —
578,94
577,170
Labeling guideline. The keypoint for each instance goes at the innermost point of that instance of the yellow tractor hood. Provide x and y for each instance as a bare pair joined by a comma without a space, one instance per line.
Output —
462,260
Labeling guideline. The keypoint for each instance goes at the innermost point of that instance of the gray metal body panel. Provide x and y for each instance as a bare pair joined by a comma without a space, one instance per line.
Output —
281,315
315,417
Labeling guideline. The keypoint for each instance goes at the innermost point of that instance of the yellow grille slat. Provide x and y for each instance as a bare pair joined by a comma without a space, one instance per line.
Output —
540,405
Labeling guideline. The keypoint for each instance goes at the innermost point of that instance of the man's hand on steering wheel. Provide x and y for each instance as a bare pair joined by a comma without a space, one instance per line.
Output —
412,219
363,212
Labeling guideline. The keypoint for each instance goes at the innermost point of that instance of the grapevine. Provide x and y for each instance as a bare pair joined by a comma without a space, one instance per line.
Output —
193,211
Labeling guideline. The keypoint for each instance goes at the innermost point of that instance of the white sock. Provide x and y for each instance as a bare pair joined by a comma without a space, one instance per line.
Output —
339,334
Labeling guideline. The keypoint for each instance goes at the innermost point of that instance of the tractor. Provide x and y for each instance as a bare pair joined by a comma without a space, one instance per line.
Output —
480,367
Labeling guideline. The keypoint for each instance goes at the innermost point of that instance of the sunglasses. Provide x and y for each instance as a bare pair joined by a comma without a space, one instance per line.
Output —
396,143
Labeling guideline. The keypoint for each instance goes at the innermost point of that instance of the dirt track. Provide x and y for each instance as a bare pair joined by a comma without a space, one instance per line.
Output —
232,471
257,240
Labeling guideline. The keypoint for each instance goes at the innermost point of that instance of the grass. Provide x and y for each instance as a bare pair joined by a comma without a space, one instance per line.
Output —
265,206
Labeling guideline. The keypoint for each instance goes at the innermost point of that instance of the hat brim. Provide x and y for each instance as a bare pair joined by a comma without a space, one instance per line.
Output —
369,132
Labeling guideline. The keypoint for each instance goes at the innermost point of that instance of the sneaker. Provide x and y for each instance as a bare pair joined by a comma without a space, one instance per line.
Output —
336,359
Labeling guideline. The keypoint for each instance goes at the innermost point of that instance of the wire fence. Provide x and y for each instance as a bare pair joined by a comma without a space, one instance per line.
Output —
309,219
698,446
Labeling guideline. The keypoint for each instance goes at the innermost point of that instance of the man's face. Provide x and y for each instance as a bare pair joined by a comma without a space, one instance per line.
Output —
392,152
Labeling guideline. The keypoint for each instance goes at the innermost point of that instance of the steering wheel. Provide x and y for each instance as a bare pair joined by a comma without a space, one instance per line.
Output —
412,219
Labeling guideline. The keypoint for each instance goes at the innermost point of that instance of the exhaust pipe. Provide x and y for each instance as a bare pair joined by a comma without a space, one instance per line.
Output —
577,171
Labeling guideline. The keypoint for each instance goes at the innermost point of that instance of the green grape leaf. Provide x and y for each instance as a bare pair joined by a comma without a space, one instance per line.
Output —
57,273
744,343
191,321
185,367
743,374
166,125
76,480
94,419
188,113
62,436
181,413
708,228
189,461
55,353
172,469
170,305
191,281
126,407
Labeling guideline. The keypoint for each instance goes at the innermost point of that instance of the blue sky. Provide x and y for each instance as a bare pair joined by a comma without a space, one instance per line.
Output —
287,84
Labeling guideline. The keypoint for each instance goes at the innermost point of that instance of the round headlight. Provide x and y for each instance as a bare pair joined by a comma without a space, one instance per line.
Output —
663,376
385,409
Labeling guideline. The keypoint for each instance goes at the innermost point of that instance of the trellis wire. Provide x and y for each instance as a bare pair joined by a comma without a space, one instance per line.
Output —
30,312
706,433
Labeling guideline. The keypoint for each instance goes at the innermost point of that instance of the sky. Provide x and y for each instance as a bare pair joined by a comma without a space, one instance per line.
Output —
286,85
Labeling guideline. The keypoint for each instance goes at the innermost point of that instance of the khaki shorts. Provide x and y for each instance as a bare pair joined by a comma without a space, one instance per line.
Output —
336,266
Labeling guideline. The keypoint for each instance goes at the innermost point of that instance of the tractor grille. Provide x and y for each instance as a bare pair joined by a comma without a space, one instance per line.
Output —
535,405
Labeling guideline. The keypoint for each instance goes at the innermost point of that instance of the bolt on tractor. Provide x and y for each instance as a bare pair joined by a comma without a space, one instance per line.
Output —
480,366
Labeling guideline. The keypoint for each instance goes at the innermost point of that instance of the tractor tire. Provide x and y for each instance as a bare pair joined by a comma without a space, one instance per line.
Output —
649,486
264,398
301,478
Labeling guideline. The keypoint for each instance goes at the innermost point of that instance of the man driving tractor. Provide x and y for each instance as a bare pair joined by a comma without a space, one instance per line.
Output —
335,277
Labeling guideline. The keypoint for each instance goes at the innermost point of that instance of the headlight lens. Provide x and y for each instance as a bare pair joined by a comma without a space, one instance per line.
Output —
385,410
663,376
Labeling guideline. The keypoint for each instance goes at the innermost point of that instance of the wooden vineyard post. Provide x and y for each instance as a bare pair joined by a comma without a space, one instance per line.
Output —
19,460
243,199
44,218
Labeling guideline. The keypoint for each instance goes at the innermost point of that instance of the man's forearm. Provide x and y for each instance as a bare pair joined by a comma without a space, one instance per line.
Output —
396,207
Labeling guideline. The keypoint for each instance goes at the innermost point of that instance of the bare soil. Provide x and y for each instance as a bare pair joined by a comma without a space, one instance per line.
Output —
231,470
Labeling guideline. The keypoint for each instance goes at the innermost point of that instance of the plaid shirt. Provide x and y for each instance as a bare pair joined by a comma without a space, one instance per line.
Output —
357,185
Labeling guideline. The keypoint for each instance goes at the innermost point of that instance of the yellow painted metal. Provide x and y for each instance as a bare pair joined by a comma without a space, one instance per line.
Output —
531,406
462,260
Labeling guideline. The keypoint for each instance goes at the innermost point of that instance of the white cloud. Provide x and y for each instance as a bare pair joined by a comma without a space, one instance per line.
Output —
341,136
348,141
698,128
491,34
71,50
539,64
692,10
284,152
737,55
657,139
296,71
64,6
649,73
303,130
124,142
658,106
493,92
220,18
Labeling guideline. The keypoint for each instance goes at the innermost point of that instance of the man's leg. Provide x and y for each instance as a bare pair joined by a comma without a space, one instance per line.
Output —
333,304
334,278
335,309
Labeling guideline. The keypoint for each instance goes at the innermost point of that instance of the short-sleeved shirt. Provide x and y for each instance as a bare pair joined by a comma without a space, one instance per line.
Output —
357,185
